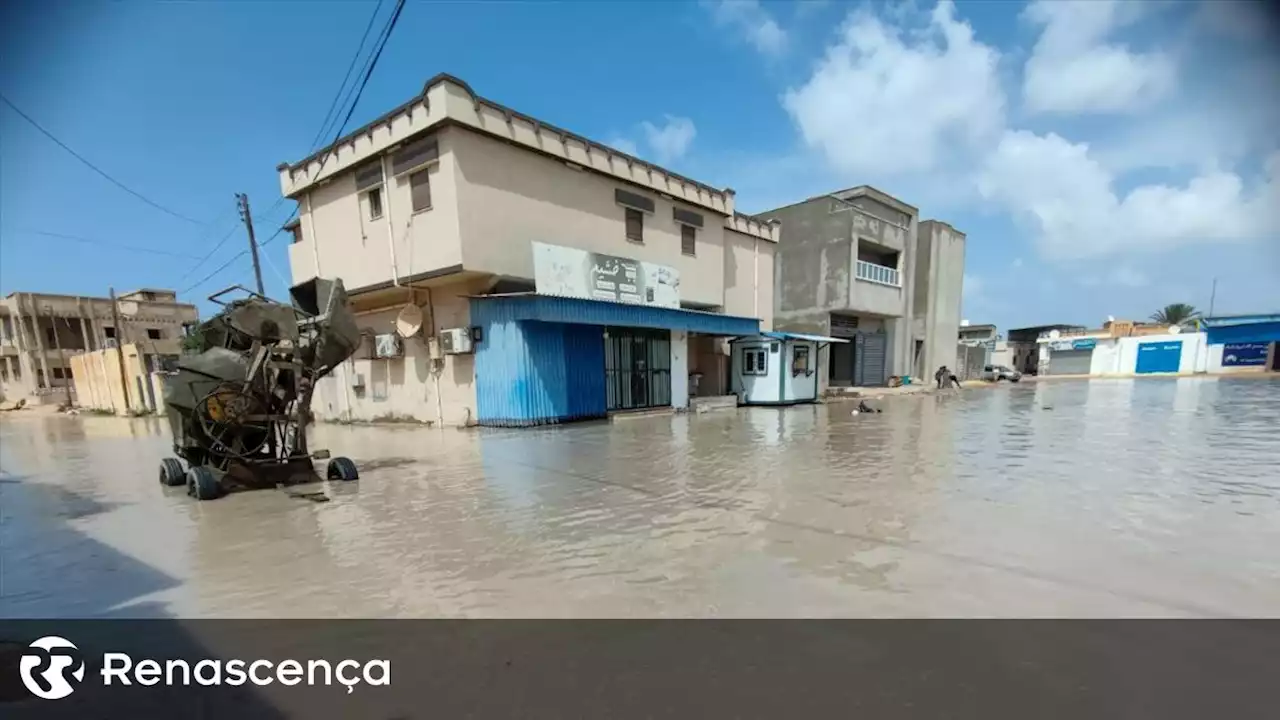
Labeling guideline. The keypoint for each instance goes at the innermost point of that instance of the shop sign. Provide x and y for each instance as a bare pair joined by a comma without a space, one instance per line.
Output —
571,272
1244,354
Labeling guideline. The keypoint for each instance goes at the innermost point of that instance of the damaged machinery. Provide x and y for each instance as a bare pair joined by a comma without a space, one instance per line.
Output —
240,402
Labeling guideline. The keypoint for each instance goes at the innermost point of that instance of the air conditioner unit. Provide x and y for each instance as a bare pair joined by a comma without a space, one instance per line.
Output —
387,346
357,380
456,341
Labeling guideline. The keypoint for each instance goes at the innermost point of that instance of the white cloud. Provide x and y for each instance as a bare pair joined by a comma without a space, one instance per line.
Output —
670,141
1071,201
754,22
884,100
1075,69
624,145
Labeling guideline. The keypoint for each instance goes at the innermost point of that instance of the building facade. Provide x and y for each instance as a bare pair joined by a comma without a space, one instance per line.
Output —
40,332
858,264
547,277
1242,343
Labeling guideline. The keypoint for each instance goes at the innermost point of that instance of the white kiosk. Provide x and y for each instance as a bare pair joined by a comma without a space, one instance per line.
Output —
777,368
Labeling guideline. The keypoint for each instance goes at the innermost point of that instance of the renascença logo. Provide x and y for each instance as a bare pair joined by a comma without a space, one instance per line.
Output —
49,665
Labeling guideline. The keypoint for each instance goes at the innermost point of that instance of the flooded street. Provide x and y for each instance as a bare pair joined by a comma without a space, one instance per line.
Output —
1095,498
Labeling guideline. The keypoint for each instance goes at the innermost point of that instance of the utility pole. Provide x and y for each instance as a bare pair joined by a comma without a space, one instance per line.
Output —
1213,295
242,201
62,359
124,377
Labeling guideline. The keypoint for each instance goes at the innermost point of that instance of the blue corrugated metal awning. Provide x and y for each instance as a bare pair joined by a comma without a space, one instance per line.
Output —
579,311
803,336
1231,320
1249,332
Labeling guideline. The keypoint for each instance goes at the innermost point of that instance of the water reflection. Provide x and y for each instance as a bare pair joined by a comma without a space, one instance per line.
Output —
1147,497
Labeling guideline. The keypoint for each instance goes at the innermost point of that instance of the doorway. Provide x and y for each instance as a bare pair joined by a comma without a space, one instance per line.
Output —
637,368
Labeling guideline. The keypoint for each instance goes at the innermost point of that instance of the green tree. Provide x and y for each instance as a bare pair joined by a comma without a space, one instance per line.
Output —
1176,314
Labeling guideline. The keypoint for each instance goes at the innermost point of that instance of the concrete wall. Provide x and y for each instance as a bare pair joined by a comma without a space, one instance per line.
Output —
97,381
509,197
1213,361
748,277
412,387
679,369
339,238
1118,357
943,279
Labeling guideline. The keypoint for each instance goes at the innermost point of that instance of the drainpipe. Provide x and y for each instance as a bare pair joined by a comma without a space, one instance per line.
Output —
755,279
386,214
435,369
310,229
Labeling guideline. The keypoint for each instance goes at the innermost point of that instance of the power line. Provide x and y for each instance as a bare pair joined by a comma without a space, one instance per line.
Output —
105,243
209,254
331,114
236,257
95,168
359,91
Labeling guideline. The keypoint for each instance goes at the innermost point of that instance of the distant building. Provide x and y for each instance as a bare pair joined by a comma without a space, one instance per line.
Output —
1022,349
860,264
39,332
984,335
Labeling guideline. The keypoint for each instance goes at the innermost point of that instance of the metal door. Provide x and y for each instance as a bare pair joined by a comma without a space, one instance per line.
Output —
637,365
1159,357
1070,362
869,360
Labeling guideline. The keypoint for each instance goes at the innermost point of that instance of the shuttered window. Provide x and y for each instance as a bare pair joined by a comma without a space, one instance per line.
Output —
415,154
688,240
635,225
369,175
420,190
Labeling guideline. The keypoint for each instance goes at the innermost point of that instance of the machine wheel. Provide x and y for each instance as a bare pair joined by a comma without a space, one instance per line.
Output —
171,473
201,483
341,468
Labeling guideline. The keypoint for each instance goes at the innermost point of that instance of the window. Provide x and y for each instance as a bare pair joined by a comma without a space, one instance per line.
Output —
51,335
375,203
57,373
420,190
755,361
635,225
688,240
154,334
297,233
800,360
109,332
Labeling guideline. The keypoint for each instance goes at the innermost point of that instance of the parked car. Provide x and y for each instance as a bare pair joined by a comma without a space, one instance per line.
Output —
996,373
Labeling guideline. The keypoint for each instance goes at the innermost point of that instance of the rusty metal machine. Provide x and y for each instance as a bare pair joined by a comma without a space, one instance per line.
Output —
240,402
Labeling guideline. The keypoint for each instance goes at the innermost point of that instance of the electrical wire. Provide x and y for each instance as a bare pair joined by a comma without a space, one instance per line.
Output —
331,114
236,257
106,243
95,168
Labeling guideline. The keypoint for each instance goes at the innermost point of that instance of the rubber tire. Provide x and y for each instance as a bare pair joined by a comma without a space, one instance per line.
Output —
341,468
202,484
171,473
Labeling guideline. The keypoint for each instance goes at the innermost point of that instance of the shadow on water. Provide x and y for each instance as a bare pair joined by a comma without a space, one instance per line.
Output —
90,601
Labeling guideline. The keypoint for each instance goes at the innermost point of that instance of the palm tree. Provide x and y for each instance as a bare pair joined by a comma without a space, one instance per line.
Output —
1176,314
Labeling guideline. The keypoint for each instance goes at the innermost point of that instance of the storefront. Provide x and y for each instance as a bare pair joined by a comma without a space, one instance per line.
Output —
1071,357
1243,343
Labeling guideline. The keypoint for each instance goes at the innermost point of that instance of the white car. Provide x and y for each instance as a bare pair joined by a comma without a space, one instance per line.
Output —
996,373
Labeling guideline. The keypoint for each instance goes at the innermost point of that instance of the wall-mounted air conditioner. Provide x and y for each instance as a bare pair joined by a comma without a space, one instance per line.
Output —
456,341
387,346
357,380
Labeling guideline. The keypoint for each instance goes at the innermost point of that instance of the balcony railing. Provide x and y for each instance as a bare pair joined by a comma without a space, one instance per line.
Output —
877,274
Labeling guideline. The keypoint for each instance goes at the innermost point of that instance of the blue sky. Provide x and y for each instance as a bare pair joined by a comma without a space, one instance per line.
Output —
1104,158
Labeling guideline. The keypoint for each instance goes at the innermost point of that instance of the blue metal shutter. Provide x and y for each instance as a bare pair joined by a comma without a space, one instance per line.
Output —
1159,357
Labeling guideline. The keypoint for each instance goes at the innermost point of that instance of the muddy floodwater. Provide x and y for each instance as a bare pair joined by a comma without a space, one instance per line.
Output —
1073,498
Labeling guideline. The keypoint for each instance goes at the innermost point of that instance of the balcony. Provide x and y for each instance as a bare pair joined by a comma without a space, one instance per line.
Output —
878,274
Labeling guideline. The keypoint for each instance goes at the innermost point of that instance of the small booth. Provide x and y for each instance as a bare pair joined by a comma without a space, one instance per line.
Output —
777,368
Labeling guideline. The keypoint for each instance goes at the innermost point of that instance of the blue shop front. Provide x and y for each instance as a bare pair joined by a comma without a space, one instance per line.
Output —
543,359
1243,343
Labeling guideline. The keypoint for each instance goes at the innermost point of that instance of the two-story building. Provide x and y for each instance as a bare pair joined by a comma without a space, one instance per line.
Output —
39,332
859,264
509,272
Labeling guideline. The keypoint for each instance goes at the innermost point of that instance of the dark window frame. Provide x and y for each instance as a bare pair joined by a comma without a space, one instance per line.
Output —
755,361
155,334
374,195
415,188
688,240
634,221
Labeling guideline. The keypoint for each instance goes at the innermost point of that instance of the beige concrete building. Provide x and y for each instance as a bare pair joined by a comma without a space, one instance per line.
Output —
40,332
448,196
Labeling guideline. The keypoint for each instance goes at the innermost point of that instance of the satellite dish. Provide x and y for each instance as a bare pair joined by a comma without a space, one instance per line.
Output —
1174,329
409,321
1111,318
964,323
1054,334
